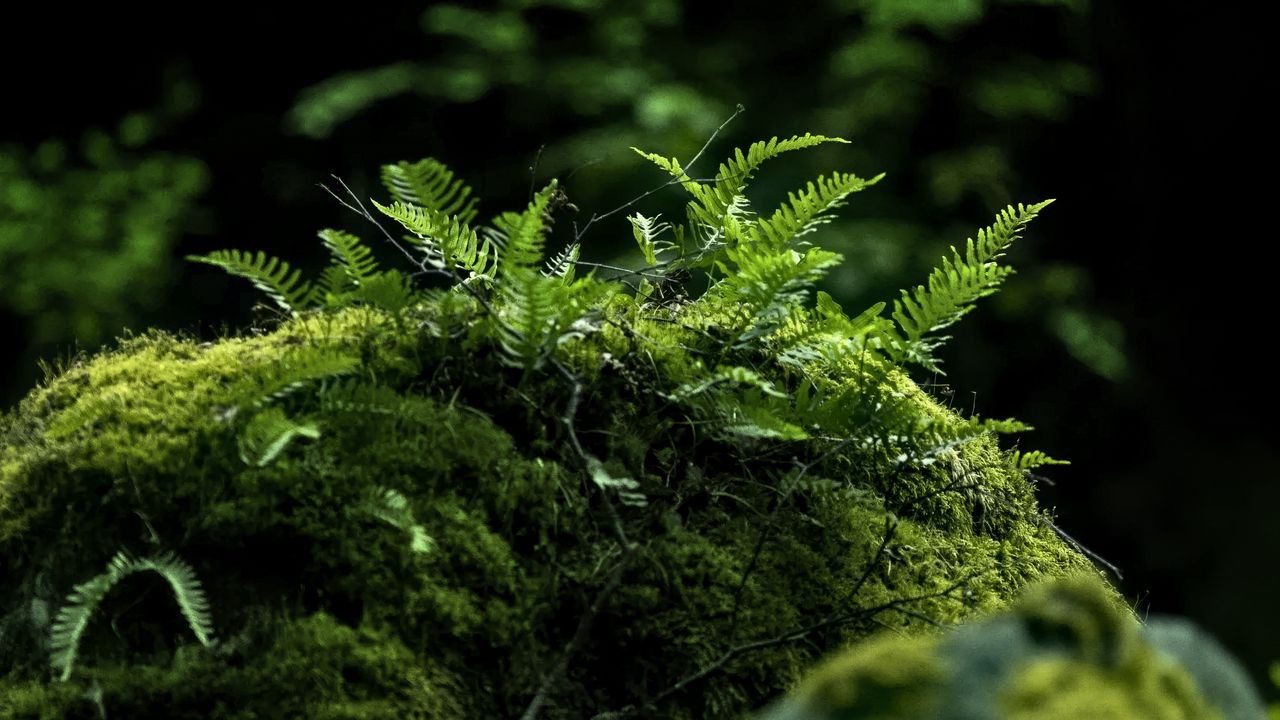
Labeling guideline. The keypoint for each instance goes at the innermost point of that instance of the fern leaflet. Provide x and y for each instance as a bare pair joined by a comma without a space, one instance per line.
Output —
430,185
73,618
271,275
953,287
268,434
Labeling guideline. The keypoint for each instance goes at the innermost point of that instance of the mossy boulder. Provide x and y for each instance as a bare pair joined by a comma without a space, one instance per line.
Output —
748,559
1067,649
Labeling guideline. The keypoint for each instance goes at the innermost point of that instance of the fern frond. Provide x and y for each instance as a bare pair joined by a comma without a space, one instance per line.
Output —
392,507
646,231
268,434
390,290
301,366
711,203
766,284
444,240
752,415
931,437
360,396
807,209
735,375
1034,459
628,490
430,185
350,254
565,263
953,287
525,232
271,275
74,616
533,313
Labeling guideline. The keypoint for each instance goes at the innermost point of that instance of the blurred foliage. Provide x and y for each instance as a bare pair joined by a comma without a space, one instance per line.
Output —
87,229
589,79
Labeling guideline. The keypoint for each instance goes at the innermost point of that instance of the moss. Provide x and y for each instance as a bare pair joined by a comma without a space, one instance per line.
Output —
136,448
1068,649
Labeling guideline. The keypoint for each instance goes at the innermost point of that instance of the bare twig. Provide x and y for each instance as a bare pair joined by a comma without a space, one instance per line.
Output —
577,234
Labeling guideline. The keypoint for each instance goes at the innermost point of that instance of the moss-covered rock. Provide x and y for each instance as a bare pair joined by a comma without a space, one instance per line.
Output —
531,493
323,610
1067,650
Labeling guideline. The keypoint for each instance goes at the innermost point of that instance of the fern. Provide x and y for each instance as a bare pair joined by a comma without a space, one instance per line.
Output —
430,185
765,285
392,507
807,209
646,231
350,255
953,287
711,203
444,240
295,370
271,275
73,618
565,263
268,434
1034,459
627,489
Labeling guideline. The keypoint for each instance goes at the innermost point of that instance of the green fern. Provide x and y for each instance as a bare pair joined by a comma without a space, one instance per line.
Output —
268,434
271,275
1034,459
647,231
712,203
392,507
350,255
766,284
444,240
295,370
806,210
73,618
430,185
953,287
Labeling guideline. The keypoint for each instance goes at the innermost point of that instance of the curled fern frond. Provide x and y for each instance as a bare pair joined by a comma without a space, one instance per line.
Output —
73,618
430,185
271,275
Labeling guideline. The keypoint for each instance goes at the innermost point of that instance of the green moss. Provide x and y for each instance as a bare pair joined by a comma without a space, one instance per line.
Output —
1068,649
132,447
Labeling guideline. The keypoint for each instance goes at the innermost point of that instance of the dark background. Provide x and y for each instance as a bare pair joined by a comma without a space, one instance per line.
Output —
1160,162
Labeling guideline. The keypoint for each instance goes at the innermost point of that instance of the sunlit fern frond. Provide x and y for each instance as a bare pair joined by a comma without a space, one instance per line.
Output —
271,275
430,185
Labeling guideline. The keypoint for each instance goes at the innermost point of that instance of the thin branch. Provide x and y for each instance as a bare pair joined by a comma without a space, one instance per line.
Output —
577,234
579,638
